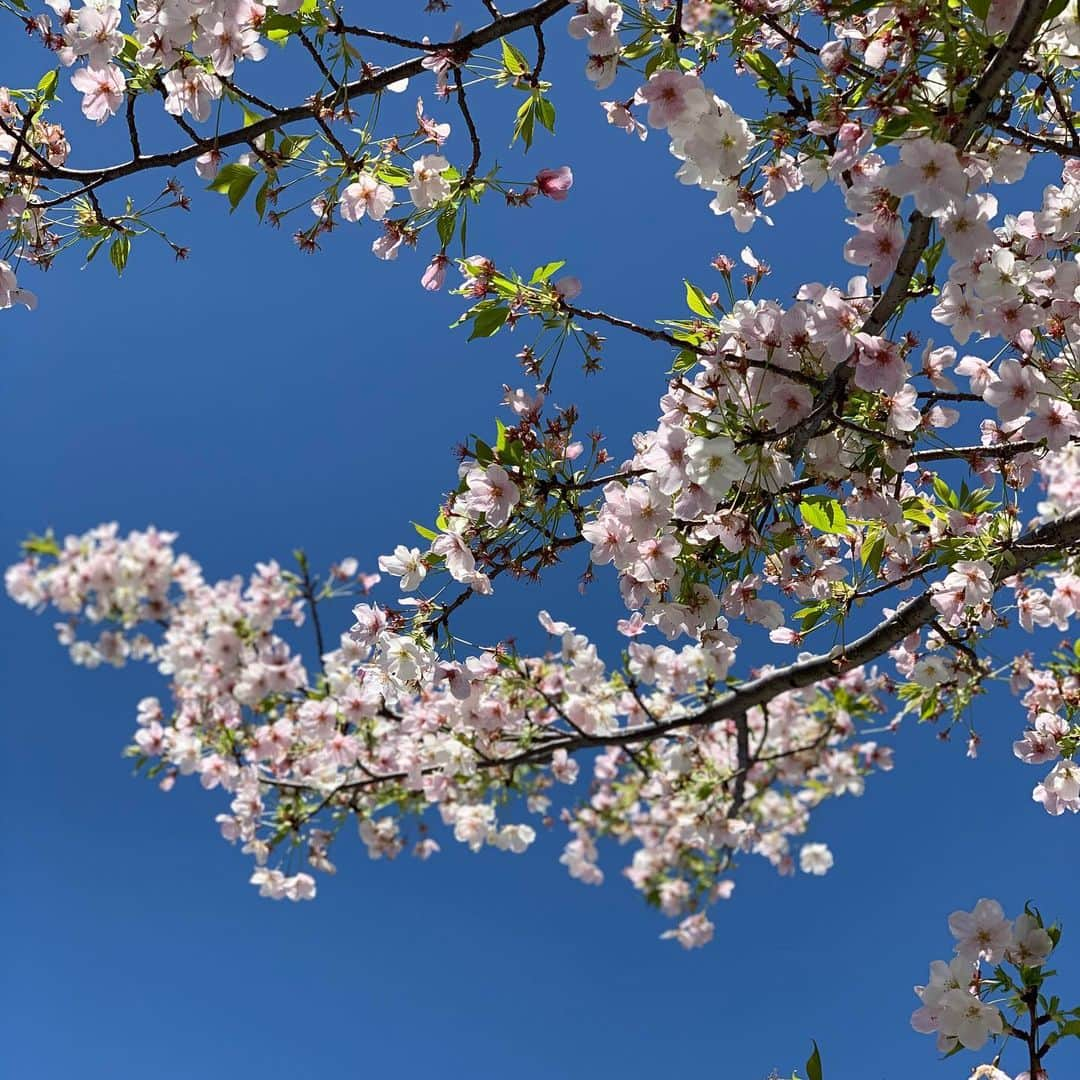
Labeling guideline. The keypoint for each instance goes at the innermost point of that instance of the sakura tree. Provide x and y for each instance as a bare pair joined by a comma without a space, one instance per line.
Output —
822,479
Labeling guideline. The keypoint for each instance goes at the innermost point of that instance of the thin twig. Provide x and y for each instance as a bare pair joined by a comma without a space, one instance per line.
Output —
474,137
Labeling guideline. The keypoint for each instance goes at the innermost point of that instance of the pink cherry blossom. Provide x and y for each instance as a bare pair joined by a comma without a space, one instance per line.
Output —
1014,389
671,96
879,365
1053,420
491,493
931,172
365,195
555,183
102,91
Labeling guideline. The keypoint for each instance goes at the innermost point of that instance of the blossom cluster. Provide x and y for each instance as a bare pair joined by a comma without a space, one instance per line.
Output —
994,988
390,730
951,1001
1053,734
798,468
172,37
707,135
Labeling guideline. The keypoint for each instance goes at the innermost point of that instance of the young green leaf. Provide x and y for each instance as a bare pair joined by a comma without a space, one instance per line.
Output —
233,180
824,514
542,273
513,59
696,302
488,321
119,250
525,122
545,113
46,87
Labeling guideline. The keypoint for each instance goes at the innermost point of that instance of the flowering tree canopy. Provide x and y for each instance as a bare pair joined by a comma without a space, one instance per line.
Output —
822,479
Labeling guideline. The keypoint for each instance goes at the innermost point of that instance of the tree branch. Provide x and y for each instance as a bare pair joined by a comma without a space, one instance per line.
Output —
1026,552
369,84
982,95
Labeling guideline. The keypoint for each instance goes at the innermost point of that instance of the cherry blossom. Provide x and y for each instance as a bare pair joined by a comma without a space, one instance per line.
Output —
555,183
10,293
963,1004
492,493
405,564
982,934
930,172
102,90
428,185
366,195
817,480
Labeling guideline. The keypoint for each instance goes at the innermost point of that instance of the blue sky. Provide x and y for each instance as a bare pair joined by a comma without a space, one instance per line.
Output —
257,400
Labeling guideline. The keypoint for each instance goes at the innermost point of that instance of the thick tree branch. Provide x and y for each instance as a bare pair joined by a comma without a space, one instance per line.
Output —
1057,538
1005,64
1038,142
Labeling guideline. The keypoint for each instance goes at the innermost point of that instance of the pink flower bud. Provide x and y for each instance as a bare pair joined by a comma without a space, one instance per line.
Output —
435,274
555,183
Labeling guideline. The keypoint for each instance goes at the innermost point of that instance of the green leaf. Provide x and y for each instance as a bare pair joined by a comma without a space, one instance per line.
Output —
95,247
445,225
915,511
119,250
763,65
893,128
393,175
824,514
638,48
500,439
427,534
542,273
811,615
932,256
1054,9
873,547
514,59
279,28
945,493
525,123
488,321
260,199
696,302
46,87
662,58
813,1064
292,146
233,180
41,545
685,361
512,454
545,113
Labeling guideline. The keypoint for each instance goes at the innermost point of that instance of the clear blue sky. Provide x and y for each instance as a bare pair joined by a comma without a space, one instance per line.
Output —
257,400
